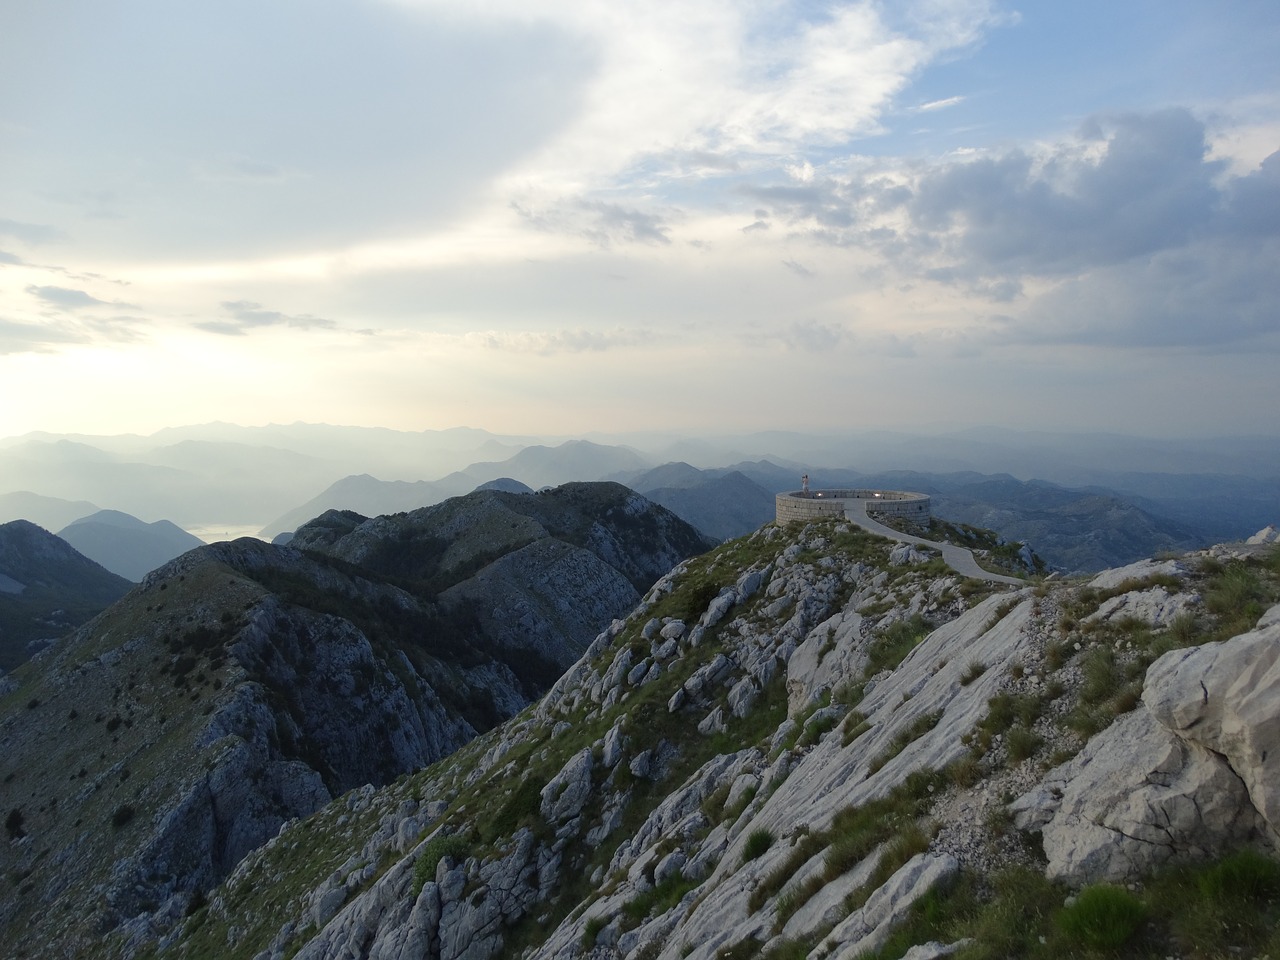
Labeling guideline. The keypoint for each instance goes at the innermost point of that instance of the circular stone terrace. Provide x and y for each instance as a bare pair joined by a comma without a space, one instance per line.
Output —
812,504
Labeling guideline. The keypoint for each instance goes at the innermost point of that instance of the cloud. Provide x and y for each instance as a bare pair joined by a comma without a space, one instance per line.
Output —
246,315
66,298
18,337
121,329
939,104
799,269
547,343
604,224
1129,234
813,336
1213,295
1147,187
30,233
10,258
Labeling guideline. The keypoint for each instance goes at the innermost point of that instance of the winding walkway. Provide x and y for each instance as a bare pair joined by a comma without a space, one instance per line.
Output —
957,558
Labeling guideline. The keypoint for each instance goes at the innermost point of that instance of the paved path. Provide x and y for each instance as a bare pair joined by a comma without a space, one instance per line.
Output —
957,558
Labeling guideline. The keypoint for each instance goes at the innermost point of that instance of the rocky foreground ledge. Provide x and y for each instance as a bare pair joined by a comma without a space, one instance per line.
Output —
790,748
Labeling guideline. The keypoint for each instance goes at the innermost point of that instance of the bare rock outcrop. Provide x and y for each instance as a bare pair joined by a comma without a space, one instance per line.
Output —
1190,773
1225,697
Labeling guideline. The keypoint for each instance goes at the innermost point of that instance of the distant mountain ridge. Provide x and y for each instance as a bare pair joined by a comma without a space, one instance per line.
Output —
225,477
535,466
126,545
52,513
47,589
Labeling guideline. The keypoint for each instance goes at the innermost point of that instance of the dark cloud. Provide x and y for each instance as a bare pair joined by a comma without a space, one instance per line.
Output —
225,328
1151,189
755,227
246,315
30,233
799,269
827,203
66,298
604,224
614,224
1253,201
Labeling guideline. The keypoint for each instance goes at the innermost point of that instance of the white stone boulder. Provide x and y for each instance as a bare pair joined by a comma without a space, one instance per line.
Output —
1156,607
1226,698
1110,579
1134,799
1268,534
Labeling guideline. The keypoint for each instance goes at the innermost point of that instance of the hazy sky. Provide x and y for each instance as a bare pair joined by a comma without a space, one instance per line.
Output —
564,216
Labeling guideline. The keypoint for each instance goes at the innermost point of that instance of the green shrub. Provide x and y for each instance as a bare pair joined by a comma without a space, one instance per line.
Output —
854,726
758,841
122,815
1100,675
972,672
1103,917
591,931
1247,875
814,729
454,846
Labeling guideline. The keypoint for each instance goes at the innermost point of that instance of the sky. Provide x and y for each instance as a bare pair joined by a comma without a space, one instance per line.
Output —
563,217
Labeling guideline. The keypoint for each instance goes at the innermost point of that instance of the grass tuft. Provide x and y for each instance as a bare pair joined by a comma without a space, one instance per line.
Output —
1103,917
758,841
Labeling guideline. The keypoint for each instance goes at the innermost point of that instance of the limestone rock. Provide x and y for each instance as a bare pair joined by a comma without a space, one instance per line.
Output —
672,631
905,553
1156,607
1134,799
566,794
833,652
1110,579
1226,697
867,928
933,950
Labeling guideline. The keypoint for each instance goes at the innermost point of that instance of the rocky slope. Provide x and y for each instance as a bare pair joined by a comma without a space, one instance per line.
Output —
793,747
47,588
244,684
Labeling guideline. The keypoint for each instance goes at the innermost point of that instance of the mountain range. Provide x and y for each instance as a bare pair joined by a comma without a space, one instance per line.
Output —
246,684
805,742
216,477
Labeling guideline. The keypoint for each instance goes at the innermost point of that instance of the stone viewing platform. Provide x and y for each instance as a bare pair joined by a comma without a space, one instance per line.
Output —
812,504
862,506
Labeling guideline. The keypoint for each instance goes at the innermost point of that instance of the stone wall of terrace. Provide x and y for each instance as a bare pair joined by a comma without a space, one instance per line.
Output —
812,504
